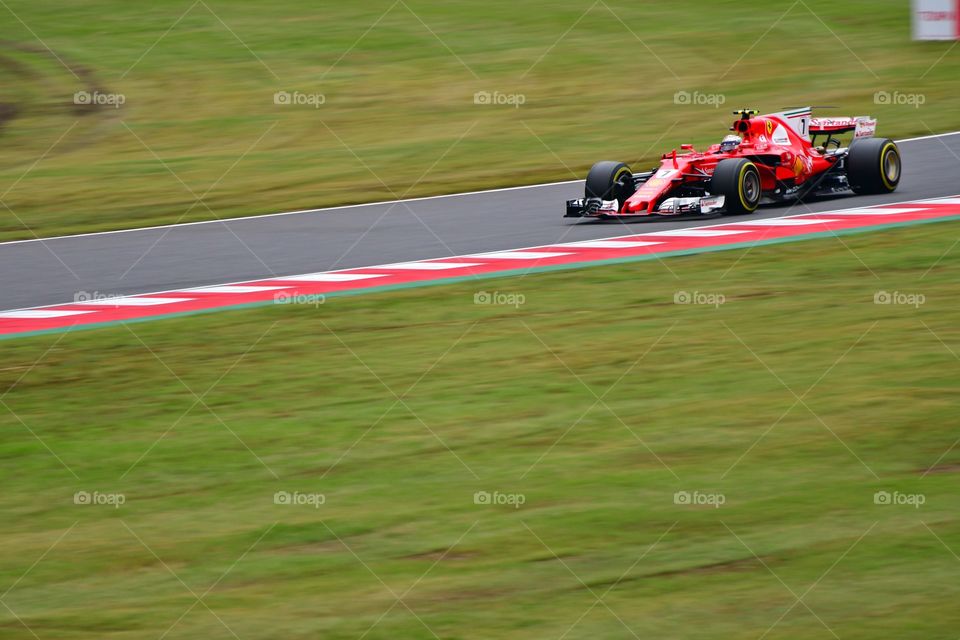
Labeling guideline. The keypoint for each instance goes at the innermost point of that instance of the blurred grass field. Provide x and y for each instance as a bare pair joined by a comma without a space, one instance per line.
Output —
199,135
399,407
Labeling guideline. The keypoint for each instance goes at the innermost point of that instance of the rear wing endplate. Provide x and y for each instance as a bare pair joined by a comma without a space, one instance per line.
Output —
862,126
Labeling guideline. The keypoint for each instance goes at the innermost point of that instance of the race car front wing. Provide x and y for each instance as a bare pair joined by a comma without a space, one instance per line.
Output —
597,208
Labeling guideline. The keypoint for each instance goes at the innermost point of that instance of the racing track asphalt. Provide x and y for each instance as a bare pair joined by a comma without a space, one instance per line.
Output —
53,271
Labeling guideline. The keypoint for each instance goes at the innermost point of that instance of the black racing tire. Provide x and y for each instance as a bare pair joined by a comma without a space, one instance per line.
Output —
873,166
738,181
609,180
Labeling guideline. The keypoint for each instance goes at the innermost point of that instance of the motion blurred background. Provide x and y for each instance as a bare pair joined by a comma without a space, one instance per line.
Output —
594,460
130,111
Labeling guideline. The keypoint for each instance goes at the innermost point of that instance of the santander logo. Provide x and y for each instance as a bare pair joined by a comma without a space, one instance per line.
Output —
936,19
937,16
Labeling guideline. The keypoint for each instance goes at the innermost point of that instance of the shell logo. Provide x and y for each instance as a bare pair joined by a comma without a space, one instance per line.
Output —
798,165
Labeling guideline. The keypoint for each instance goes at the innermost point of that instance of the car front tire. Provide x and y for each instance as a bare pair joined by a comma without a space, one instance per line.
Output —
609,180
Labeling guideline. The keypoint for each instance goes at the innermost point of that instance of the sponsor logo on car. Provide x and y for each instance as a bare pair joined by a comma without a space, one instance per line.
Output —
865,128
780,135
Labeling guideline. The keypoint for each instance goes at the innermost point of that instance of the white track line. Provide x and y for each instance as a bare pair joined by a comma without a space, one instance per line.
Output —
930,137
333,277
265,216
427,266
879,212
34,314
783,222
130,301
520,255
231,288
610,244
695,232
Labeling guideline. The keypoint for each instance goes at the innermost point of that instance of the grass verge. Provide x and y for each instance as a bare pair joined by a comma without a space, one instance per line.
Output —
594,399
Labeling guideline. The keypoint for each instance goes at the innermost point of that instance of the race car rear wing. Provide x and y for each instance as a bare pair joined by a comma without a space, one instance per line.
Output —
862,126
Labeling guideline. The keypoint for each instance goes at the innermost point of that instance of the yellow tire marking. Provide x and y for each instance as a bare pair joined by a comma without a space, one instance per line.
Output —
883,172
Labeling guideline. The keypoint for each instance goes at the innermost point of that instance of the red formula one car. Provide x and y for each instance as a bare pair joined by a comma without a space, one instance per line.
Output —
775,157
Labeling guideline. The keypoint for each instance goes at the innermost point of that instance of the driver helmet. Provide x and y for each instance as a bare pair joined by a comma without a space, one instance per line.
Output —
730,143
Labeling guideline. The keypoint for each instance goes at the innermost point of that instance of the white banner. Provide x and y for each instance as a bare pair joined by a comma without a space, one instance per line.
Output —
936,19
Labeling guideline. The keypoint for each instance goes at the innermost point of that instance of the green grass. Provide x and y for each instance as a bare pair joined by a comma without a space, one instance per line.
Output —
495,398
399,80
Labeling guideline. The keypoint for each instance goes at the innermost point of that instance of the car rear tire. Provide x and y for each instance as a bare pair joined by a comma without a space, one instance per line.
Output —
609,180
873,166
738,181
